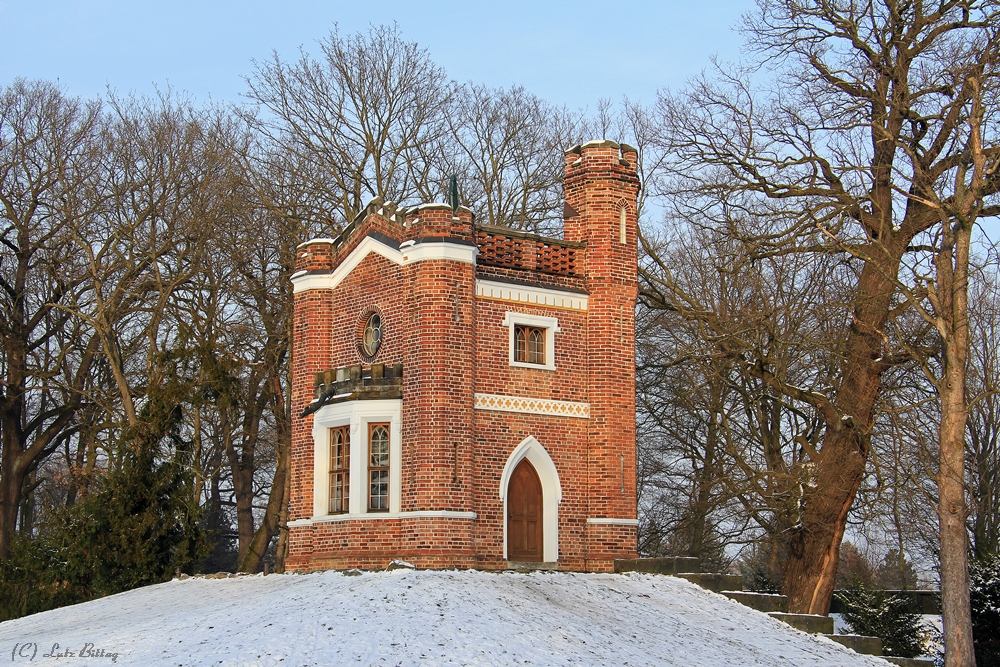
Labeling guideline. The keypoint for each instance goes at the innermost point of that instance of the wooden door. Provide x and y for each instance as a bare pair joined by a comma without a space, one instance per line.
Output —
524,515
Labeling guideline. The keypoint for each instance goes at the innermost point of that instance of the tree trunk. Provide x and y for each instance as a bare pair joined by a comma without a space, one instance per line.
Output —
952,292
282,550
830,485
705,478
243,490
27,511
814,548
11,482
952,512
16,462
242,469
250,561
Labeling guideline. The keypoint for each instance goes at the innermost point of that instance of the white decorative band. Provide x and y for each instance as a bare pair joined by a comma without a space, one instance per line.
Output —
611,522
407,254
531,296
532,406
375,516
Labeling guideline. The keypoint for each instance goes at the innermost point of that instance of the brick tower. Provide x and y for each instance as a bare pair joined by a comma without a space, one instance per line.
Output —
465,394
601,189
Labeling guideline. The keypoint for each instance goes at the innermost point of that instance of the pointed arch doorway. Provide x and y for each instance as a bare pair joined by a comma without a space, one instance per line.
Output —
524,515
544,478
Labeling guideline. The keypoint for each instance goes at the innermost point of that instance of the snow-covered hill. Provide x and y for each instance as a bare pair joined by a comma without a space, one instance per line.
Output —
404,617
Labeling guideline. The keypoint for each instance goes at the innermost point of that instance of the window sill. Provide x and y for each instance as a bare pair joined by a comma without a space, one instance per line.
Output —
537,367
374,516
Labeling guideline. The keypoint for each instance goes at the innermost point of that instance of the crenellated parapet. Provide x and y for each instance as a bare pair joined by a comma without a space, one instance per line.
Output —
355,382
514,249
392,224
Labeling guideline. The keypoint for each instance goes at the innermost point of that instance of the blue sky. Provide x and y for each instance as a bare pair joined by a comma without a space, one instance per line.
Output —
570,53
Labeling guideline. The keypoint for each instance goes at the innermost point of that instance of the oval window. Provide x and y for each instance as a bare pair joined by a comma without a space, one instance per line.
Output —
371,337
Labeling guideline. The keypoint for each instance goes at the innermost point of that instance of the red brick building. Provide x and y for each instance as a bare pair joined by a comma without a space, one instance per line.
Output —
468,392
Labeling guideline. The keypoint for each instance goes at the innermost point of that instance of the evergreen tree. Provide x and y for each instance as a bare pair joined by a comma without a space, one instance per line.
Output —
985,599
133,529
877,613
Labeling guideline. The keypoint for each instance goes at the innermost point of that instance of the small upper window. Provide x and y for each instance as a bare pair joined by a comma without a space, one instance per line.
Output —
532,340
529,344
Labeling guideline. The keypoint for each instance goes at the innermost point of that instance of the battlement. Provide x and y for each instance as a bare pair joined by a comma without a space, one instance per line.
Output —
389,211
391,223
601,155
354,382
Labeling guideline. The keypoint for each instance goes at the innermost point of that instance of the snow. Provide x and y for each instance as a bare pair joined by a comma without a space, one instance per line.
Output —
408,617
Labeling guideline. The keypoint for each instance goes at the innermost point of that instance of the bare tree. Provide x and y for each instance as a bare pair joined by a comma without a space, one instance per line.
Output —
718,316
145,242
638,126
945,305
49,156
248,326
865,128
507,149
353,123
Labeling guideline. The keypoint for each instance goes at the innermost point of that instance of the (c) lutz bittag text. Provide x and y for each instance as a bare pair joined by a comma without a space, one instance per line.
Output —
28,651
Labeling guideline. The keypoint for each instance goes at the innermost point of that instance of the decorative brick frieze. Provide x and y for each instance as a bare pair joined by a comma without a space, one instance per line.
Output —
532,406
525,277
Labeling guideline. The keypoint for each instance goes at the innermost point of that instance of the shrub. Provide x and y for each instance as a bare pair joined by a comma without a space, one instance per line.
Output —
877,613
757,568
133,529
985,600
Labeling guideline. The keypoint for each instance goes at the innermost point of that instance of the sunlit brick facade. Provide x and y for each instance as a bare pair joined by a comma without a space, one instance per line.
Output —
467,392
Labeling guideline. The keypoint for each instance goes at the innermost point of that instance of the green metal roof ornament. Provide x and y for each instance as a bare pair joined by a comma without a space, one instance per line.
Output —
453,194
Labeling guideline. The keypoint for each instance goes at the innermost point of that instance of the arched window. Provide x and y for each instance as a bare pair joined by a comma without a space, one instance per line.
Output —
529,344
357,458
378,467
340,469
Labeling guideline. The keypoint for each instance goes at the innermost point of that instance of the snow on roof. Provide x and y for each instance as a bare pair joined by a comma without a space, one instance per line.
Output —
404,617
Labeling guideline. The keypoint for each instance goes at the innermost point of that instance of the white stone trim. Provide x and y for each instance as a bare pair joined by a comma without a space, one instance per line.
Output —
311,241
531,406
612,522
419,514
358,414
551,326
530,295
533,450
408,255
452,251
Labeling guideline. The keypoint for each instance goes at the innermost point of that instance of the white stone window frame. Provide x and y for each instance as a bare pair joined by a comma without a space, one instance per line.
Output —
357,414
549,324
